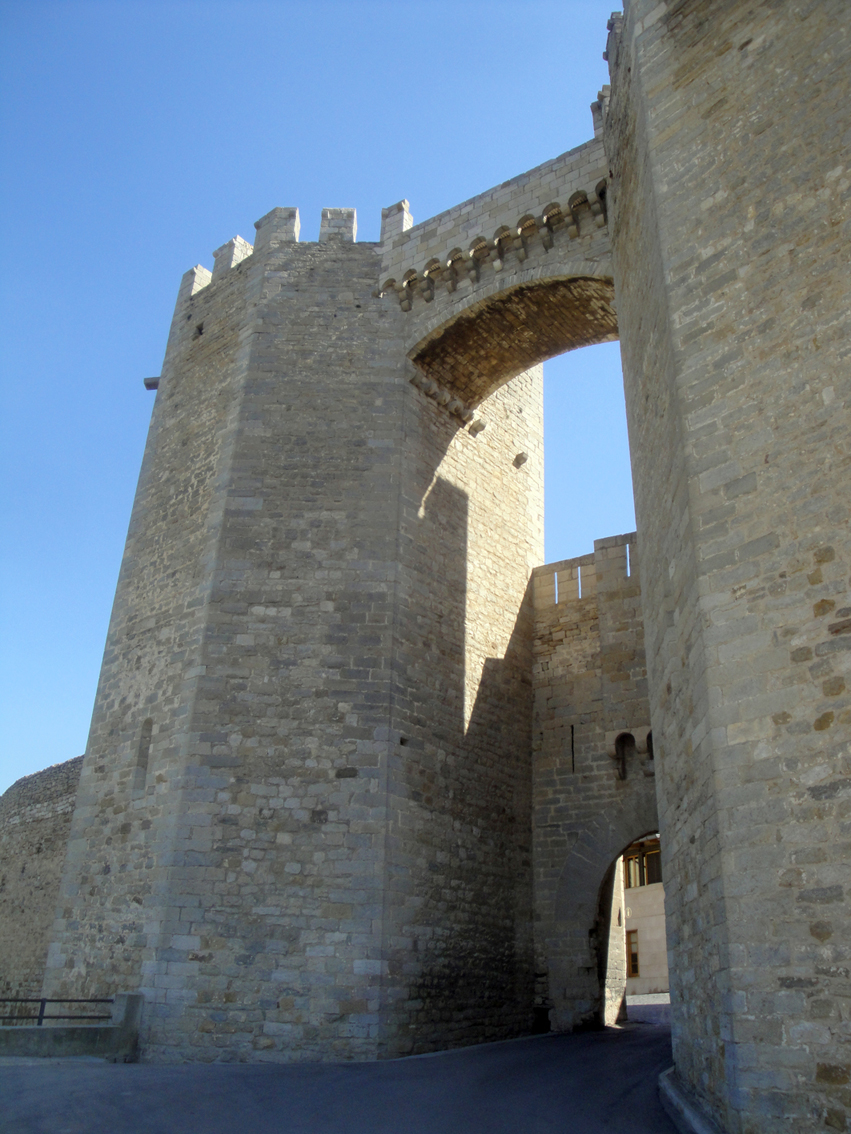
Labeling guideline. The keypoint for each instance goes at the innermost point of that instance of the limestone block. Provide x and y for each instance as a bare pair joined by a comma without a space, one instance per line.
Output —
394,220
278,226
338,224
229,255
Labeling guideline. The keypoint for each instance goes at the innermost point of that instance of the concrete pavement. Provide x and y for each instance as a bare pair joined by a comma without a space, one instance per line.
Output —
592,1083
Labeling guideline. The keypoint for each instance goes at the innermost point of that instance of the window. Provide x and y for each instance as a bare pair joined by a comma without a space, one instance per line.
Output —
633,870
653,867
642,863
632,952
143,753
624,750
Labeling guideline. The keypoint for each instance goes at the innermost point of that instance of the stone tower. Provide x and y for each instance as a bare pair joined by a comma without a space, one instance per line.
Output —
305,825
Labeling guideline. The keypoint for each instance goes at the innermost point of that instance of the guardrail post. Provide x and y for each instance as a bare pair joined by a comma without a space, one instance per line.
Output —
41,1007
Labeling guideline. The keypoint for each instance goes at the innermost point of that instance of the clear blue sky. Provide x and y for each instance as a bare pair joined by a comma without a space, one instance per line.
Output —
138,136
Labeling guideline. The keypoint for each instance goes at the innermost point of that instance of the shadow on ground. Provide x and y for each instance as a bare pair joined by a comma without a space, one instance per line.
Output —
594,1083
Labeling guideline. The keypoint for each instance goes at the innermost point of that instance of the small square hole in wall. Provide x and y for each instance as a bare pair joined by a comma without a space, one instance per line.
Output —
199,331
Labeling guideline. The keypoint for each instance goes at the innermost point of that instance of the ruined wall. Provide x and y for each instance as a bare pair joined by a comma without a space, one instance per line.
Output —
35,818
727,140
589,683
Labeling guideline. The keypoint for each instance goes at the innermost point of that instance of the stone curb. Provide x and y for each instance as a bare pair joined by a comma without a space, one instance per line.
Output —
683,1110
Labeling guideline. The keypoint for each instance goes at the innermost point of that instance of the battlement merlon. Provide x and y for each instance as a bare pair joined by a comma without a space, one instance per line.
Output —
395,220
279,226
338,224
229,255
600,109
191,283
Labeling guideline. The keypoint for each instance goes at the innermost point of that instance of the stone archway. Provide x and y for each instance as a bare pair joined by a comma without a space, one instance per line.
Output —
491,333
284,484
501,336
576,928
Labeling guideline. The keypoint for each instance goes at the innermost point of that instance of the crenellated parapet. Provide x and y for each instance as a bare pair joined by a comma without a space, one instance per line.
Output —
516,241
276,229
564,198
549,223
588,617
489,289
229,255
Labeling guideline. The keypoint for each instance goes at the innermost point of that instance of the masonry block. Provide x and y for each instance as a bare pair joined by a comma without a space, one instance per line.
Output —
229,255
277,227
395,220
338,224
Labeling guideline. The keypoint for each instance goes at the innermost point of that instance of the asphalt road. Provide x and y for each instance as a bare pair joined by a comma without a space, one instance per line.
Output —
593,1083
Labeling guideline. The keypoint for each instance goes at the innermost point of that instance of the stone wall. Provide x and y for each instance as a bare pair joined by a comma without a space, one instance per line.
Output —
728,143
458,938
514,276
304,820
615,978
590,686
35,817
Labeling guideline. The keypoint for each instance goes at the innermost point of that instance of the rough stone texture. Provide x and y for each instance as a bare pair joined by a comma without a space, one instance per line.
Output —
590,686
458,936
531,323
335,735
35,817
728,143
507,279
304,819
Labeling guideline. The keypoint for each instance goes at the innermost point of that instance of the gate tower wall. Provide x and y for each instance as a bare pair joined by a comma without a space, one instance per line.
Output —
590,685
727,137
304,819
303,823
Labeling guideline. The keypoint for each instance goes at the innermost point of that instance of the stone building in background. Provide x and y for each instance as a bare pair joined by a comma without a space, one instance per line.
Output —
356,782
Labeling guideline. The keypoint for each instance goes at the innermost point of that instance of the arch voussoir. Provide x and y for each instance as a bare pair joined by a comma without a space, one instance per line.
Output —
506,333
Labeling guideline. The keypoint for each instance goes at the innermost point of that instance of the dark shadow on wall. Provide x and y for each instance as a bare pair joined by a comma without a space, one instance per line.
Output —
475,969
459,841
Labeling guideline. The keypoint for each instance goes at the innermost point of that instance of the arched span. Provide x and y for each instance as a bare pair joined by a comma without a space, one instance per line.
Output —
491,342
569,934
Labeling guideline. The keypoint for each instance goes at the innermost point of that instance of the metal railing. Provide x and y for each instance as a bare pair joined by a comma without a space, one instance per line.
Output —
43,1001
